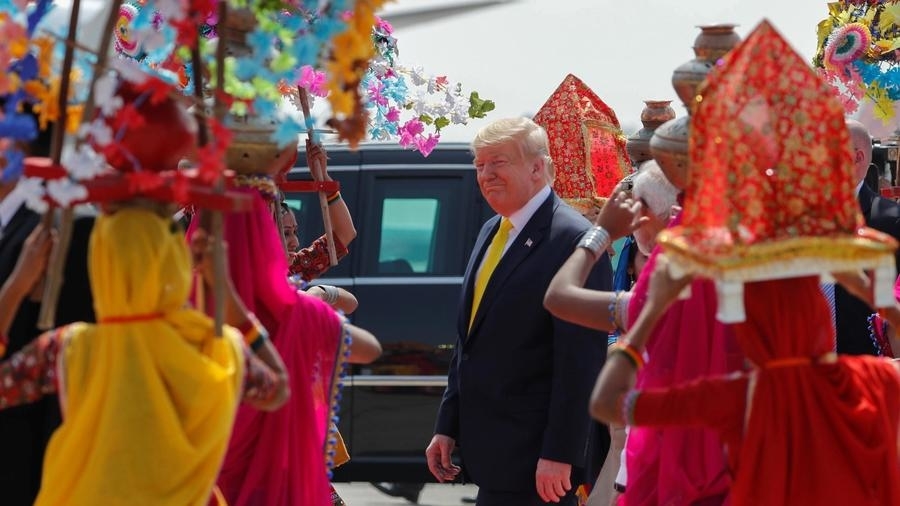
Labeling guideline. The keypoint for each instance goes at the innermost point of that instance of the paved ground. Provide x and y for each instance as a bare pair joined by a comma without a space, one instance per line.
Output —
434,494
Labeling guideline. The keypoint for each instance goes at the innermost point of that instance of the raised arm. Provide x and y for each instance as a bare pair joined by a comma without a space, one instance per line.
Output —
566,297
618,375
28,271
341,221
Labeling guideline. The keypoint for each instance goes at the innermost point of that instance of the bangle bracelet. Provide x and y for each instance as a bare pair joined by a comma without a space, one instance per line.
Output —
334,197
331,294
628,402
623,299
614,309
254,333
633,355
595,240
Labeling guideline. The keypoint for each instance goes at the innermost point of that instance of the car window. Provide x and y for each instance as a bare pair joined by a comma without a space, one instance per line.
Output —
412,225
408,227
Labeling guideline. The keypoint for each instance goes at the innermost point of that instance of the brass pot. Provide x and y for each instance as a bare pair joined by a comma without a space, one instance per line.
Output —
654,114
237,25
252,150
714,41
669,147
687,78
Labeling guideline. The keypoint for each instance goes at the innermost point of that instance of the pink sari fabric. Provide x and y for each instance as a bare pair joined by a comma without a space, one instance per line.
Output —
680,466
279,458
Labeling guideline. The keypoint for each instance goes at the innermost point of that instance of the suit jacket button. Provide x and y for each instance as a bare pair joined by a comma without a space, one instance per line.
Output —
465,356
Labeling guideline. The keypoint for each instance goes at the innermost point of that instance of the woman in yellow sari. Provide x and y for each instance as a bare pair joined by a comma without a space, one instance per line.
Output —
149,394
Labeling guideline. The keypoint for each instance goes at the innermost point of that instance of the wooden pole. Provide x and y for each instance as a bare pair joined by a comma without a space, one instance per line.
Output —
217,218
318,174
55,266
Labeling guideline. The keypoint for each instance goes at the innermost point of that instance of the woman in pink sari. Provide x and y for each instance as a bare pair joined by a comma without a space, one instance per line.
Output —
279,458
665,466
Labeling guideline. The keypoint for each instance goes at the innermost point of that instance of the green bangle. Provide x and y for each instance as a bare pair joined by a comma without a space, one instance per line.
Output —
331,199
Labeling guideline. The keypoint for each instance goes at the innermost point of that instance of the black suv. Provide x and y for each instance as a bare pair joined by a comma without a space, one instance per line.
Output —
417,219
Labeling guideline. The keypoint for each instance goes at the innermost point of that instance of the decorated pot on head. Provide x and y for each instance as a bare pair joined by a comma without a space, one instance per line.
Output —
655,113
765,206
587,145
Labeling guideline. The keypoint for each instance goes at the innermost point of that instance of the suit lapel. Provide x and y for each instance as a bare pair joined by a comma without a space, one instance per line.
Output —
481,244
526,242
865,198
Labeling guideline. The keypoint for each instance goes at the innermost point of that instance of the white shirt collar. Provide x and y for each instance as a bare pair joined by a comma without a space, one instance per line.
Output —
521,217
859,187
9,206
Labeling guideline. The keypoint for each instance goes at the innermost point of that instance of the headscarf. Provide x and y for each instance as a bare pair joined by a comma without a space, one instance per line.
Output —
819,431
279,458
149,393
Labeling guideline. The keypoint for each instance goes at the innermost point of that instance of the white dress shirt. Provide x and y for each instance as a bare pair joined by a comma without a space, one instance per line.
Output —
521,218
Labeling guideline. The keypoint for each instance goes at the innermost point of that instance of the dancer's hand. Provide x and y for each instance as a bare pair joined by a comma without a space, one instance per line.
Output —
33,259
620,216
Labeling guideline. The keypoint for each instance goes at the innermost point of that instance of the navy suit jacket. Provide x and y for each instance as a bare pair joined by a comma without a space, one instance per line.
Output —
520,379
851,313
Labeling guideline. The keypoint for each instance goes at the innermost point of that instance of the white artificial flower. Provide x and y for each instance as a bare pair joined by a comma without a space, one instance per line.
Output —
417,75
105,97
129,69
32,190
64,191
98,130
84,163
171,9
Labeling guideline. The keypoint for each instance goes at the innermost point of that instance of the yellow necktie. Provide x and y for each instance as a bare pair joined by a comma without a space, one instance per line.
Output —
491,259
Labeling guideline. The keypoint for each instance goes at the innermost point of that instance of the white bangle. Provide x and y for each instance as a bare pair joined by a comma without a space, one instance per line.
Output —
331,293
595,240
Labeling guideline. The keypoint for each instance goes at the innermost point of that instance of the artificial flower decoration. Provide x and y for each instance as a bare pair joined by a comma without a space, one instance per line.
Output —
859,53
846,44
409,105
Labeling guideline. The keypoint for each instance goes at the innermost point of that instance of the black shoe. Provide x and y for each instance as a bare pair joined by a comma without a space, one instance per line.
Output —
408,491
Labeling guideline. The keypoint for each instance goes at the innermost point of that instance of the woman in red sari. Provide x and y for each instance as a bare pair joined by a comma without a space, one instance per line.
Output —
804,426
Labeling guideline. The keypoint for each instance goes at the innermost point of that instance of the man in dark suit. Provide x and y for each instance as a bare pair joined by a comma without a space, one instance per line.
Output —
26,430
851,314
520,379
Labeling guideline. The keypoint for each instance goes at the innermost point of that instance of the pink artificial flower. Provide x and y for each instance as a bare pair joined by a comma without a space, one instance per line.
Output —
313,80
384,25
426,145
374,91
393,115
409,131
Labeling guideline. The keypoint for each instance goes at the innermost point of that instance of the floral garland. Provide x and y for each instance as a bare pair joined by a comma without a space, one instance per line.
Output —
27,79
406,101
859,53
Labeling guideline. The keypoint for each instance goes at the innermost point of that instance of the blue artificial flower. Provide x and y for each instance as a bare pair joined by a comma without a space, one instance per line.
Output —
39,10
14,165
15,125
287,132
263,107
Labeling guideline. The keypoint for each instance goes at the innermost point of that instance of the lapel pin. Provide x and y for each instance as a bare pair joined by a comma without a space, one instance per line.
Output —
528,243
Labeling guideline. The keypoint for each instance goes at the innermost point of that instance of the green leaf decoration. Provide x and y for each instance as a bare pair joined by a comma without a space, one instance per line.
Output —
428,120
441,122
479,107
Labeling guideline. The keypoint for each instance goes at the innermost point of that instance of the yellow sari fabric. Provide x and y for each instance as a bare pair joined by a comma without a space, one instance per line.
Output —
149,394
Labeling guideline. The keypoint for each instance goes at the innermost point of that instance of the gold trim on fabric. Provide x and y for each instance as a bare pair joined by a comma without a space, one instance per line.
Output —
337,382
786,257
